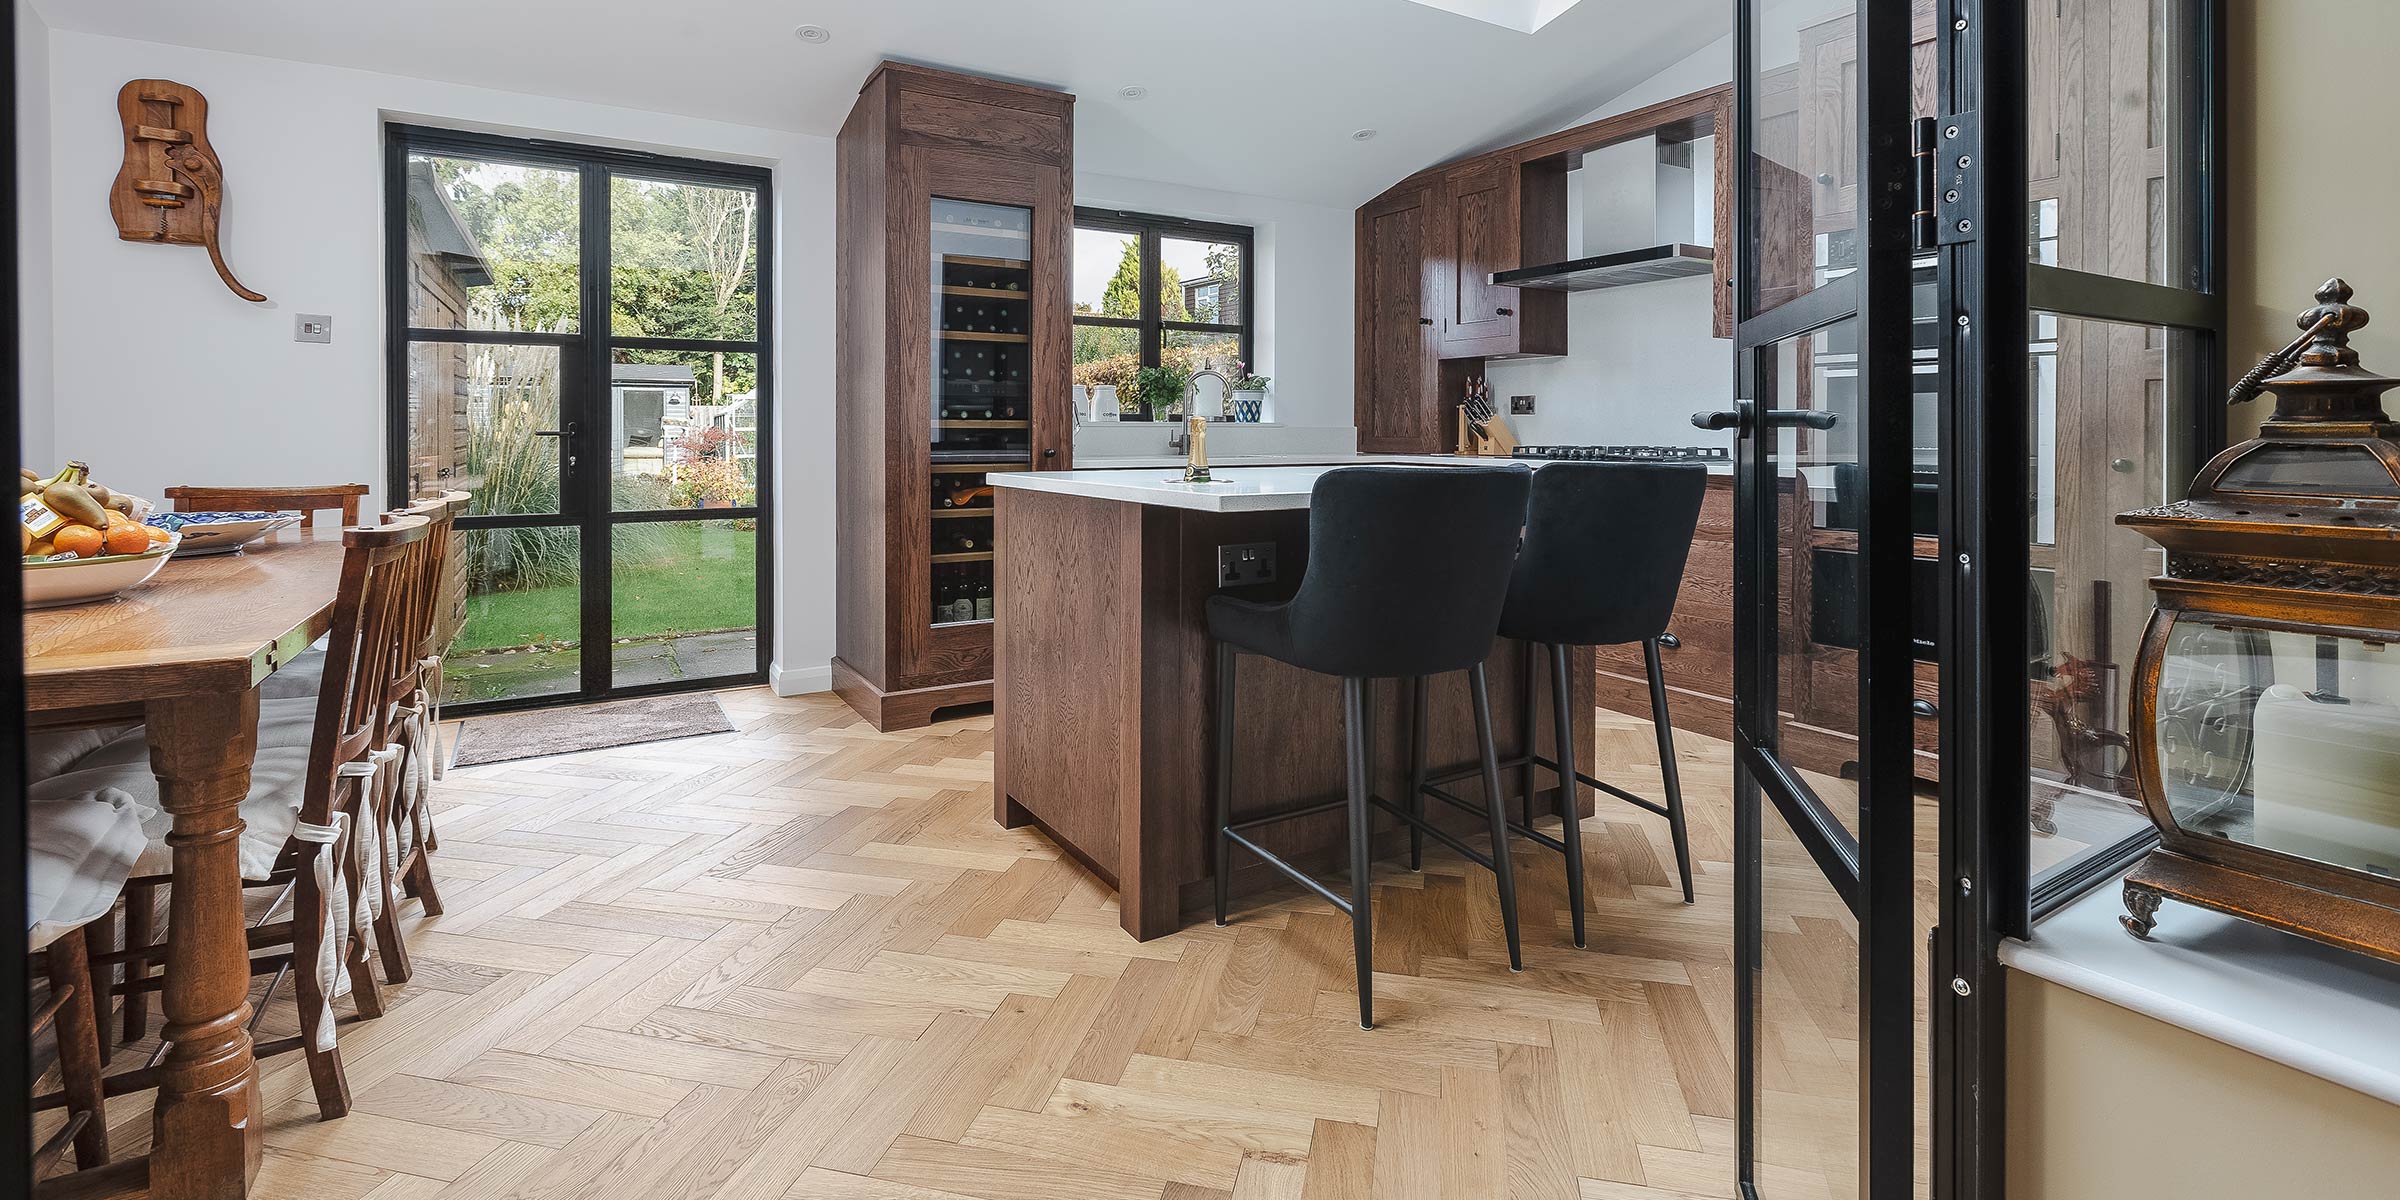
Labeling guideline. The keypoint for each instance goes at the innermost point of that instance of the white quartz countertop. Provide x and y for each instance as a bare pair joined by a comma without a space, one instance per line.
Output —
2282,997
1236,488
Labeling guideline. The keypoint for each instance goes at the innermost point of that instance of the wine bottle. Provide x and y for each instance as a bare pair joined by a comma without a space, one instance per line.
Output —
983,599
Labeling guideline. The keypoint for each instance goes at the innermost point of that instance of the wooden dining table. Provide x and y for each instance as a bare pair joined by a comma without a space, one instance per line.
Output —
185,653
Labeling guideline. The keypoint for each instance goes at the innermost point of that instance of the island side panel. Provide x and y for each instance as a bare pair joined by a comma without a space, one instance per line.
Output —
1067,680
1287,721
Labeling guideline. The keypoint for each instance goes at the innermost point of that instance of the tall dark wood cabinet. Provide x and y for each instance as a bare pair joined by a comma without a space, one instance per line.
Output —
954,219
1399,342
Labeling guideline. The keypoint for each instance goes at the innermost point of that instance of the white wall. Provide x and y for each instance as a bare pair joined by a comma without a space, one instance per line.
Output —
34,421
1303,291
163,376
1640,359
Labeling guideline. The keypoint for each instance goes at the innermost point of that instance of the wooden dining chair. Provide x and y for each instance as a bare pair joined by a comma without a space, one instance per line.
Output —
307,501
320,812
449,619
79,849
402,803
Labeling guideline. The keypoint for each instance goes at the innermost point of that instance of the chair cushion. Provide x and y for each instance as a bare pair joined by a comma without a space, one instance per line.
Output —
297,679
79,849
278,781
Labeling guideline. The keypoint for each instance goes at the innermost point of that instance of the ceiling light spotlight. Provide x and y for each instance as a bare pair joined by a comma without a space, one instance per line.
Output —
1360,135
815,35
1133,92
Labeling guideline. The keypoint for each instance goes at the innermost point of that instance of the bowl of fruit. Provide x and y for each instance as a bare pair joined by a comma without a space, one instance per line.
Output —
84,542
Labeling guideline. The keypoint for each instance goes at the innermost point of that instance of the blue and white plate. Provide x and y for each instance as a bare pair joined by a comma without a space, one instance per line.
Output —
221,532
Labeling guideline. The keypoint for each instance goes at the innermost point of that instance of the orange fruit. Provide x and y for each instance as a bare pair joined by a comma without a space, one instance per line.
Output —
82,541
127,538
156,534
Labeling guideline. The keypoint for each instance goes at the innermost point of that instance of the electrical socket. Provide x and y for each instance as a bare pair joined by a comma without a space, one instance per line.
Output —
1520,406
1246,564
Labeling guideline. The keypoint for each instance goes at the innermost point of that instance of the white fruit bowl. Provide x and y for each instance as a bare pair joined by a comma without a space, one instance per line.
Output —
77,580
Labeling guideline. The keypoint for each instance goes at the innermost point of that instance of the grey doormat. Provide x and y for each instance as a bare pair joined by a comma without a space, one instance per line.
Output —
508,736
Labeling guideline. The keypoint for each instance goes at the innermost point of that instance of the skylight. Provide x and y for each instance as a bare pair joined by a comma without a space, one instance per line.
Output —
1524,16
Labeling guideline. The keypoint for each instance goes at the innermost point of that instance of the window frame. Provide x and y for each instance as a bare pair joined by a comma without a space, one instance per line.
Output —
1151,229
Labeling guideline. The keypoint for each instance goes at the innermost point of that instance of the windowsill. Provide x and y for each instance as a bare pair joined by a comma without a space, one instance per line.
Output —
2310,1007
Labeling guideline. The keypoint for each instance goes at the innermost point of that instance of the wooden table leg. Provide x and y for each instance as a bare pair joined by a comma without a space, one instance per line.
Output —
206,1122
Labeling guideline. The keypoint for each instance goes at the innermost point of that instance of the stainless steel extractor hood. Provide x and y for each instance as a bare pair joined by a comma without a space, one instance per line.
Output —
1648,264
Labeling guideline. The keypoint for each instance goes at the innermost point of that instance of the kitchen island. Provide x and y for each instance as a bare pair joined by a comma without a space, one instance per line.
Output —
1104,730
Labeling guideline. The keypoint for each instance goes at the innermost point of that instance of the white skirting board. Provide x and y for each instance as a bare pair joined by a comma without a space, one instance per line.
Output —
799,681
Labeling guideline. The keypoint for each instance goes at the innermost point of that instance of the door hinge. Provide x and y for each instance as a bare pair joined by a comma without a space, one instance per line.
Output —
1948,154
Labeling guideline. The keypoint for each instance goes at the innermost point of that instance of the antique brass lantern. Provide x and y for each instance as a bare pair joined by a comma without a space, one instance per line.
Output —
2266,711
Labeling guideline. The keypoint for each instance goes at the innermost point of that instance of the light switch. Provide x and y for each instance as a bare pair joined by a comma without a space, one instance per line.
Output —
312,327
1520,406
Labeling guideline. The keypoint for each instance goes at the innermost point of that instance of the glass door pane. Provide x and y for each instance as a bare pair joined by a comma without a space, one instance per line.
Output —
683,600
1803,147
488,420
982,417
492,245
524,633
682,260
683,430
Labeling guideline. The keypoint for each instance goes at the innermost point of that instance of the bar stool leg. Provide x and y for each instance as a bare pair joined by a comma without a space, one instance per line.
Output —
1570,829
1362,932
1226,655
1666,764
1497,807
1525,733
1416,772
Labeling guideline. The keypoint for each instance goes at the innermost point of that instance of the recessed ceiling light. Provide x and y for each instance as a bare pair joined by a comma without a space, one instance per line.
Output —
1360,135
815,35
1135,92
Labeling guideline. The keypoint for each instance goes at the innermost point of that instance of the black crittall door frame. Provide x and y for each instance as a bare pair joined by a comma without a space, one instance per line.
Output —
586,359
1987,290
1872,870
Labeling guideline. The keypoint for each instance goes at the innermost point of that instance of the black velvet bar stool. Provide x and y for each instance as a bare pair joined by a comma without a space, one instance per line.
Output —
1605,544
1407,571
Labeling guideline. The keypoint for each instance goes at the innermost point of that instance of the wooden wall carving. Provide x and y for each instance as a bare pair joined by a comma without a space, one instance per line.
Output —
171,188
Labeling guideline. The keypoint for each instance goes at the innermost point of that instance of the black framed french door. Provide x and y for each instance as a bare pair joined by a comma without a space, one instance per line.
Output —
577,340
1833,431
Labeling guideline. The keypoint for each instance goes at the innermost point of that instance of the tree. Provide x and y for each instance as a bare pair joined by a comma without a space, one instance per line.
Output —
1121,298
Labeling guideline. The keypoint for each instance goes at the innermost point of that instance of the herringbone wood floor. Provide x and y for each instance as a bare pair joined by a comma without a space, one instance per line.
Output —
801,960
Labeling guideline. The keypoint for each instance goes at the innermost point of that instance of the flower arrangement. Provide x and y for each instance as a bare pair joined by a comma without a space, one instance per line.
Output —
1244,381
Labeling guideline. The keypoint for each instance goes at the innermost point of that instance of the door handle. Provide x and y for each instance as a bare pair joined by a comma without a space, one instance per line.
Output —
1424,320
1506,312
573,429
1729,418
1739,416
1924,709
1668,641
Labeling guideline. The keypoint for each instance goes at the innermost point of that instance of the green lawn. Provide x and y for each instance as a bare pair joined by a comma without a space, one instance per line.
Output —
700,577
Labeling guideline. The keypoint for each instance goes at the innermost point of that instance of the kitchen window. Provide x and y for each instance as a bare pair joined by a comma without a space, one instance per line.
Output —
1158,291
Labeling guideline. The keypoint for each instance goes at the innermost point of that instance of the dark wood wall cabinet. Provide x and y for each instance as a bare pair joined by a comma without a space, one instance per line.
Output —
954,218
1428,314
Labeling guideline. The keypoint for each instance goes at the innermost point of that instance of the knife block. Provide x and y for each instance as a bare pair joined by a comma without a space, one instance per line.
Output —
1496,441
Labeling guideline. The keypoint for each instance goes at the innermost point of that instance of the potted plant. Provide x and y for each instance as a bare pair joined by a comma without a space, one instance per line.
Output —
1159,389
1249,394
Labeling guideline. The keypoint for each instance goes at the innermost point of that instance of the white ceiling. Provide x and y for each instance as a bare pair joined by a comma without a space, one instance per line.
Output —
1256,96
